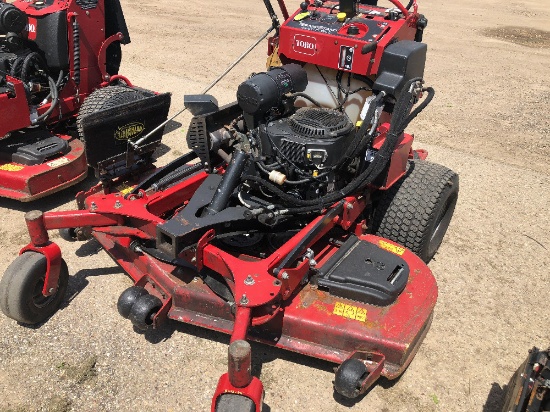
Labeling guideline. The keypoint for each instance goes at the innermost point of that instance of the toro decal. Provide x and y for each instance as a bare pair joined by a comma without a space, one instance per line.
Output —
31,28
304,44
129,131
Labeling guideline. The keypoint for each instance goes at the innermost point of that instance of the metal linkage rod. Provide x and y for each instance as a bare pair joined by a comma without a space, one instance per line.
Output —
138,142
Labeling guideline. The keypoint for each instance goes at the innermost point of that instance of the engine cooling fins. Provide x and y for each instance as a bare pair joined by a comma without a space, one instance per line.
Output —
315,122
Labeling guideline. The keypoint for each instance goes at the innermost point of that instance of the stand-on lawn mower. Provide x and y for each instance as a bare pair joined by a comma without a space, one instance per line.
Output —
53,55
529,388
307,222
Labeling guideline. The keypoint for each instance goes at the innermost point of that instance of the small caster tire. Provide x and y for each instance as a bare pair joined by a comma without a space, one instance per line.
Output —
349,378
21,289
229,402
128,298
68,234
144,310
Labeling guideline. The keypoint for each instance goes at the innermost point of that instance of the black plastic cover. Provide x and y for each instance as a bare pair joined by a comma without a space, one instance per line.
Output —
199,104
107,132
115,21
364,272
52,39
11,19
264,91
312,137
37,153
401,62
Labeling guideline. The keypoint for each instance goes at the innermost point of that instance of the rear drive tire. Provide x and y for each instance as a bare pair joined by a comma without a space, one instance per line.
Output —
229,402
21,289
103,99
417,210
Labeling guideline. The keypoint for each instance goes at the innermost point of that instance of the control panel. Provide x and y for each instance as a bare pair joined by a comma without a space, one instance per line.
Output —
353,41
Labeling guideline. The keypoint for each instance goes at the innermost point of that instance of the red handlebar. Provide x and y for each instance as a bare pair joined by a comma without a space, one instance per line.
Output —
398,4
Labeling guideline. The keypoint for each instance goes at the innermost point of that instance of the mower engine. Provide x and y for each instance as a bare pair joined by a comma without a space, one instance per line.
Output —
32,60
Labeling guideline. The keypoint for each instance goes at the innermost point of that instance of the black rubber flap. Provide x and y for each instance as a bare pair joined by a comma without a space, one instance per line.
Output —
401,62
107,132
363,272
37,153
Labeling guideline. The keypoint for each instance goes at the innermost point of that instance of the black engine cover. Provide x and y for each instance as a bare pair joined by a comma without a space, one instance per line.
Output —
312,137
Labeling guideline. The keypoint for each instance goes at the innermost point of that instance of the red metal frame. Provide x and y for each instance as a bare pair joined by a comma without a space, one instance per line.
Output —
254,391
278,310
28,183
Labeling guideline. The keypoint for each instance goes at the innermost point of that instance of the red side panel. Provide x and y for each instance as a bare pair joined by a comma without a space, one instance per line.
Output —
26,183
14,113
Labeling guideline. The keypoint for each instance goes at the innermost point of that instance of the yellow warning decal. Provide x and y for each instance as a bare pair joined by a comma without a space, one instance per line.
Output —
10,167
349,311
301,16
124,188
396,250
232,391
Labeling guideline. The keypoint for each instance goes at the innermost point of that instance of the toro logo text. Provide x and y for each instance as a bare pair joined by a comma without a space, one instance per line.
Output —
304,44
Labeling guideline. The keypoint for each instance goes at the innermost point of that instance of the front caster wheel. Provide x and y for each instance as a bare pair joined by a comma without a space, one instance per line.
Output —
21,286
144,310
128,298
68,234
350,377
229,402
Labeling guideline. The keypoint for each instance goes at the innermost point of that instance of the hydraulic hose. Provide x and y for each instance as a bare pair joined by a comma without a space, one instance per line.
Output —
54,94
431,92
16,67
228,184
163,172
357,143
176,175
31,59
307,97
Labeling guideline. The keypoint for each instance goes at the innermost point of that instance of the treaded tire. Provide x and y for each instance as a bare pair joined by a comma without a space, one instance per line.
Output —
103,99
229,402
416,211
20,289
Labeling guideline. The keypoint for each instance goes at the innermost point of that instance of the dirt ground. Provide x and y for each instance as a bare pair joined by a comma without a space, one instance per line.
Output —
490,122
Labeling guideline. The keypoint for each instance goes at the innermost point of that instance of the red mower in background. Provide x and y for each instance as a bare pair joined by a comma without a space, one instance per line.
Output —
307,222
53,55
